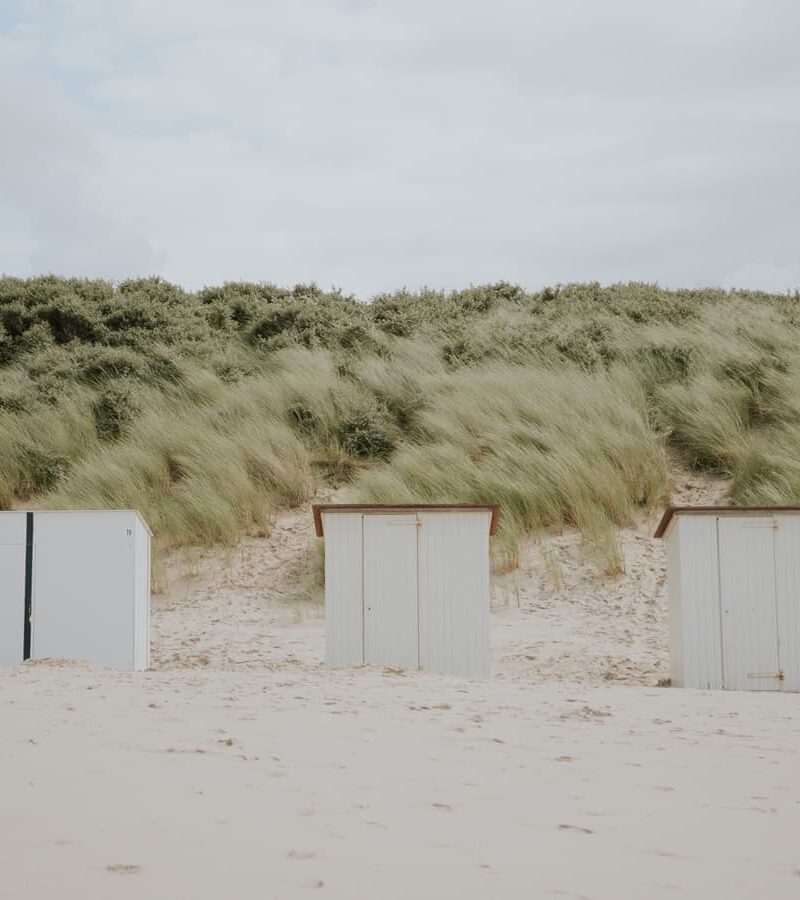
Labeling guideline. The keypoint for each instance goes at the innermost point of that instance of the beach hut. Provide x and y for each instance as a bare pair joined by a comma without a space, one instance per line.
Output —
408,586
733,585
75,585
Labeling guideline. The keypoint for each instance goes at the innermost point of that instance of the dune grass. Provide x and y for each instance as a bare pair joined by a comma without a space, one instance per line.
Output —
210,411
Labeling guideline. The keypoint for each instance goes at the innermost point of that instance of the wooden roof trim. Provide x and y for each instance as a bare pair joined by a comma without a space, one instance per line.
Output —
319,508
671,511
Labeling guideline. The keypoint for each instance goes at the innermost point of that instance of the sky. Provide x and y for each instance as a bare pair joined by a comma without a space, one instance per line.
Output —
371,146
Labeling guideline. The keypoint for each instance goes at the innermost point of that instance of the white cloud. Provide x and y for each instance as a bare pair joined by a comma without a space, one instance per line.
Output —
372,145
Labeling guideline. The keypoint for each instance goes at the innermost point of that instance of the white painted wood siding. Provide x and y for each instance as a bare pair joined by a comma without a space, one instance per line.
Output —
83,587
391,612
674,605
454,593
747,592
408,589
12,587
141,608
344,602
750,633
787,573
700,651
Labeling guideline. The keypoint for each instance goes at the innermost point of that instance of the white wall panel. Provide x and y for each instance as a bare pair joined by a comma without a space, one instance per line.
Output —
83,587
12,587
141,611
700,627
344,605
674,603
391,632
748,602
787,589
454,592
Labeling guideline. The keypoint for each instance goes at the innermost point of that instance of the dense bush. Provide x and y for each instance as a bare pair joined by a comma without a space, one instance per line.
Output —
367,433
114,408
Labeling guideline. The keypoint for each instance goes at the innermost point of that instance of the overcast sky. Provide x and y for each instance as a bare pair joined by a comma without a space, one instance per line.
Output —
376,145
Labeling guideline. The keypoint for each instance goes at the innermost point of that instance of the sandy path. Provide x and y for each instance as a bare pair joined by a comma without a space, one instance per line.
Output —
235,608
363,784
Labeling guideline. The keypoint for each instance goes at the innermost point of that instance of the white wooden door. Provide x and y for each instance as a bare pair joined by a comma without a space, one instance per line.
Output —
454,593
748,603
391,616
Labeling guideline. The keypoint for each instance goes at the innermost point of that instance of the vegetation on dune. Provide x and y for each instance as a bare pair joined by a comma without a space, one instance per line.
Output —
210,410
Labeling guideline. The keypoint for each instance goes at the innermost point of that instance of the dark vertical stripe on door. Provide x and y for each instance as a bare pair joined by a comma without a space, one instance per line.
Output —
26,641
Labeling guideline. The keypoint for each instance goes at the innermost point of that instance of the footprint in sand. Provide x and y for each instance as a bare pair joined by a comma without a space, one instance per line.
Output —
124,868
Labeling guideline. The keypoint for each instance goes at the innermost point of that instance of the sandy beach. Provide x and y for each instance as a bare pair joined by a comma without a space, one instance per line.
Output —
370,784
240,766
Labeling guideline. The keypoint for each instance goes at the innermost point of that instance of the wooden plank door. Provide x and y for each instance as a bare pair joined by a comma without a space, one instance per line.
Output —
454,593
391,615
748,603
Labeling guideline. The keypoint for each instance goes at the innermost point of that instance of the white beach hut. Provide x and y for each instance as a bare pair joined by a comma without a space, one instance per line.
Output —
733,584
75,585
408,586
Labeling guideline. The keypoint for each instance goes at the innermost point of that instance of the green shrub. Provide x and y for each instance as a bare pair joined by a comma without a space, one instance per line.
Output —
96,364
43,468
367,433
114,410
71,321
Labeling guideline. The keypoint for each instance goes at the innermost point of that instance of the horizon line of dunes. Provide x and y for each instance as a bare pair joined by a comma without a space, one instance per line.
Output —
210,410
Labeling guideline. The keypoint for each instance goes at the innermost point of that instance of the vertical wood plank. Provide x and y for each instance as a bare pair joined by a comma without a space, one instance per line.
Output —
12,587
787,572
141,620
674,605
344,621
700,628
